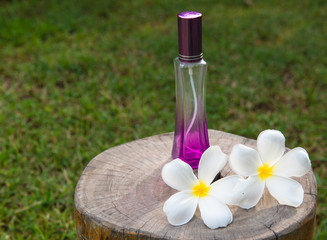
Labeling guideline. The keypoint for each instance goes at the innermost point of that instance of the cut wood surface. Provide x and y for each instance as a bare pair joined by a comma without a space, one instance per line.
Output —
120,195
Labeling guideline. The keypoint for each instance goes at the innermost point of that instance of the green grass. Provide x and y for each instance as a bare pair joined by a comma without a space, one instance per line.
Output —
78,77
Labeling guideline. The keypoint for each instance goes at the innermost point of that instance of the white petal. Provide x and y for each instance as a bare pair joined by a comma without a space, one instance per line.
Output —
294,163
211,163
180,208
244,161
214,213
223,189
286,190
271,146
248,192
179,175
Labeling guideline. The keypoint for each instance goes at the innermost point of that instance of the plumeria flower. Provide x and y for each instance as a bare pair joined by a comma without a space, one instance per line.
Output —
211,197
268,167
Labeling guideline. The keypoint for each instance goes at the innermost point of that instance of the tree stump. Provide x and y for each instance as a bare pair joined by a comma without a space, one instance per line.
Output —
120,195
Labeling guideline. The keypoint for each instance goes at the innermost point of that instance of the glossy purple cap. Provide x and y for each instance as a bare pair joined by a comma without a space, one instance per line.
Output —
190,36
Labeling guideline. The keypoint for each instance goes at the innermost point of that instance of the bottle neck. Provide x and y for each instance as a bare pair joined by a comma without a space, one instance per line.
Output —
190,59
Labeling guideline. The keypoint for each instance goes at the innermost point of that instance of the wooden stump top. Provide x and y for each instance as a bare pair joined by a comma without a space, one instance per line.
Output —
120,195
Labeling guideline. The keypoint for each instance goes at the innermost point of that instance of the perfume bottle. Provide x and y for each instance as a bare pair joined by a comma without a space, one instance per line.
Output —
191,133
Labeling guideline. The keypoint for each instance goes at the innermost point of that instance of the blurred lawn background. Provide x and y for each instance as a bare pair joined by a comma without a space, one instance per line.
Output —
78,77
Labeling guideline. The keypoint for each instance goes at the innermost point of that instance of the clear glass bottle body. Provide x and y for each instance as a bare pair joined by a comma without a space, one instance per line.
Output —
191,133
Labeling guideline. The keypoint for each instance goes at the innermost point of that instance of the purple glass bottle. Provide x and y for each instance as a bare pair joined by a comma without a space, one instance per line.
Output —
191,133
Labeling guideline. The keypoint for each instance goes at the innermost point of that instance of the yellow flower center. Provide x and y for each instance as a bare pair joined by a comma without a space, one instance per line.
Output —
265,171
201,190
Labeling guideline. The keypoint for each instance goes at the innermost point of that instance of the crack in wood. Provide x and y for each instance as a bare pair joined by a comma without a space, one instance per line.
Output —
269,227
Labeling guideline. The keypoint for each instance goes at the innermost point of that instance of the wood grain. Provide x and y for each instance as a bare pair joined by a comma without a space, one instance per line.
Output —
120,195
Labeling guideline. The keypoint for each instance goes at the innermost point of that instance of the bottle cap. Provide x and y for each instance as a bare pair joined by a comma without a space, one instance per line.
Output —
190,36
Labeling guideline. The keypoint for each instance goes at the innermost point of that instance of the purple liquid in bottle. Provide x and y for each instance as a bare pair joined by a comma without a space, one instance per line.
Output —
191,134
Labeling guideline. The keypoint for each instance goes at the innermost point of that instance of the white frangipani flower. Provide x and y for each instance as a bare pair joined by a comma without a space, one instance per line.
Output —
268,167
212,198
